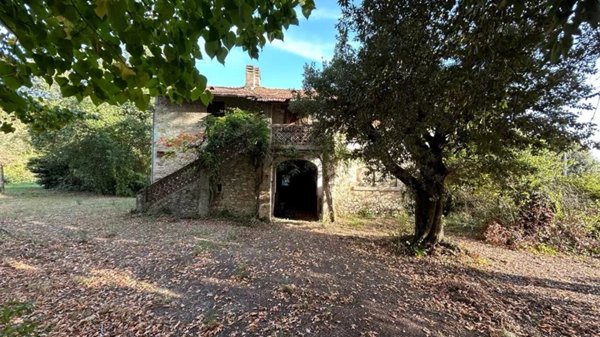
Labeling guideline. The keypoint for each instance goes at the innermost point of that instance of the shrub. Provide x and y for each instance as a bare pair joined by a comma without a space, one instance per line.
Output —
538,206
17,172
107,152
237,133
15,151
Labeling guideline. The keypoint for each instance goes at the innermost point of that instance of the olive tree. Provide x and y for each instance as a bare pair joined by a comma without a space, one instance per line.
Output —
416,85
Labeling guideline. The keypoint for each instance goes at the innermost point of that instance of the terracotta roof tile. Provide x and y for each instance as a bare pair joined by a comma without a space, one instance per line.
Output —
259,93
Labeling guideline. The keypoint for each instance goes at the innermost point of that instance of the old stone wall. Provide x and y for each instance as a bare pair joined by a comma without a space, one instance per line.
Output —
178,130
236,192
190,201
354,193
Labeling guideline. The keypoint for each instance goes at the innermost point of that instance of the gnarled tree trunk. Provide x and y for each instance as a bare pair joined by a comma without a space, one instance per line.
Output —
429,204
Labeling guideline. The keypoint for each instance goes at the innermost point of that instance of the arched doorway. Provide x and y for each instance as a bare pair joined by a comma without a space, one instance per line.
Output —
296,190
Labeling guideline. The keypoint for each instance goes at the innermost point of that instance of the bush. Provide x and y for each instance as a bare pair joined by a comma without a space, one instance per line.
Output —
17,173
15,151
108,152
237,133
539,206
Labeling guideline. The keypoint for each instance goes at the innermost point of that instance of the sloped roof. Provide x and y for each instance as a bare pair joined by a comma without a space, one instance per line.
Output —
258,93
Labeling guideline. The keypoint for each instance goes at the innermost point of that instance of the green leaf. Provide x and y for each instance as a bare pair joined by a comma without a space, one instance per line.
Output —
7,127
101,8
6,68
206,97
307,7
211,47
199,90
229,40
70,90
12,82
222,54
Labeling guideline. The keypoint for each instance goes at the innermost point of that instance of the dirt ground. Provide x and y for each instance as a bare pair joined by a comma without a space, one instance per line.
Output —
90,268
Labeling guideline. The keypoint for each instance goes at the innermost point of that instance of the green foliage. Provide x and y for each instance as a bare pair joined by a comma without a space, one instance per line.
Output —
563,23
15,151
574,198
123,50
17,173
107,152
426,81
11,322
237,133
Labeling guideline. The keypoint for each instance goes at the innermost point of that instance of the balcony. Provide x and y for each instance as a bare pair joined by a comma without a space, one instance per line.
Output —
292,136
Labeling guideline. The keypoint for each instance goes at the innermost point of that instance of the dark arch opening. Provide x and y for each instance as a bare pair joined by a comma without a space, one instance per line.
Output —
296,190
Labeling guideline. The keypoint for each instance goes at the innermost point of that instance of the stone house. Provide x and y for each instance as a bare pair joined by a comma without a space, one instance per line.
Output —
293,184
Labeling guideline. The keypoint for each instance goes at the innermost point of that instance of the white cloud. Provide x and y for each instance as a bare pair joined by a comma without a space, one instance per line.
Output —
325,14
321,13
314,51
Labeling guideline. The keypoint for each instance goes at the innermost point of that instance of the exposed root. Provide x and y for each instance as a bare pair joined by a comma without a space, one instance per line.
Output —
405,245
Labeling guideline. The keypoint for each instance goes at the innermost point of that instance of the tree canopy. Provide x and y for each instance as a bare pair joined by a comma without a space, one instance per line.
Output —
118,50
427,82
565,18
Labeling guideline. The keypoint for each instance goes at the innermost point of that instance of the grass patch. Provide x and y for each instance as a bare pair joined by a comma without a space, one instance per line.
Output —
23,190
241,271
30,200
204,246
543,249
21,186
211,321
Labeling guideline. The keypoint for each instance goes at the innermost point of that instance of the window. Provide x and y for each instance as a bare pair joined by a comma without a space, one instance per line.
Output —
216,108
369,177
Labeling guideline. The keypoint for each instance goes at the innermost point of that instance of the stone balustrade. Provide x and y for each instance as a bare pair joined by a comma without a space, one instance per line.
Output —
292,136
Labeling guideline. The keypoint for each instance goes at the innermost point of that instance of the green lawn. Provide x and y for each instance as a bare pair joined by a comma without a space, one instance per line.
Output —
21,189
30,199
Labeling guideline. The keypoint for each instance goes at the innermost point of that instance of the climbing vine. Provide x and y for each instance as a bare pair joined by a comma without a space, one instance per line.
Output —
237,133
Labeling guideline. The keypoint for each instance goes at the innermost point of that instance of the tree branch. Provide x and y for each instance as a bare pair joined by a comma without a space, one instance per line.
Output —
400,173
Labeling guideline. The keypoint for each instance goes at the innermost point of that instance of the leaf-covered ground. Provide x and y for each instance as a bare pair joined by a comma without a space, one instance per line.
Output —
90,268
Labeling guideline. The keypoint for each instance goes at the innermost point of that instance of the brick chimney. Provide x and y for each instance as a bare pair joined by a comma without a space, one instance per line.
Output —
252,77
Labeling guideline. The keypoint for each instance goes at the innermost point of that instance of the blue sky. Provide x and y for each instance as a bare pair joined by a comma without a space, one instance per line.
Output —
281,63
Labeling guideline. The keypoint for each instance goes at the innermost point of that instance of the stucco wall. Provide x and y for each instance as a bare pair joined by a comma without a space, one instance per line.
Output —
176,128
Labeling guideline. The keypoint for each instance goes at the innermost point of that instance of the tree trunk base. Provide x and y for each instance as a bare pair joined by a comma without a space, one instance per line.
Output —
405,245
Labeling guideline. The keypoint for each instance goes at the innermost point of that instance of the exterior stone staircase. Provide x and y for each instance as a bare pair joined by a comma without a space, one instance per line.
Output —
185,187
186,192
